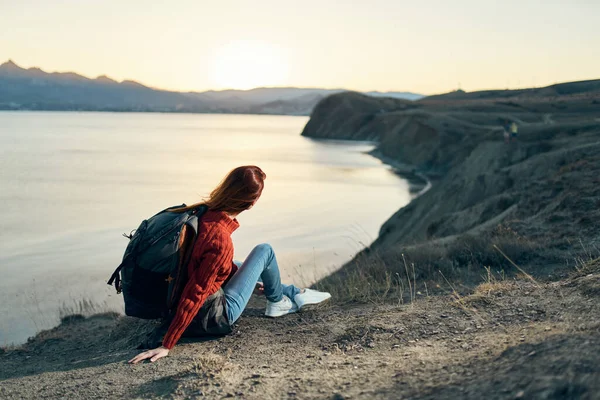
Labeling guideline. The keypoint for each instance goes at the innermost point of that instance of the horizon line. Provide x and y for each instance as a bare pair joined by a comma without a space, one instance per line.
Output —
190,91
11,61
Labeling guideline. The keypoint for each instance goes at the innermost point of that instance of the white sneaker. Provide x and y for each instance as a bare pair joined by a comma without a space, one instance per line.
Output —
310,296
282,307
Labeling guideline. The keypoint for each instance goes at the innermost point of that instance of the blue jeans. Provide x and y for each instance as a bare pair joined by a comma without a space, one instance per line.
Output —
261,265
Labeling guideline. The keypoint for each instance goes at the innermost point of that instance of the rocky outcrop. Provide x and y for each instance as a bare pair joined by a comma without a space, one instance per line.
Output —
348,116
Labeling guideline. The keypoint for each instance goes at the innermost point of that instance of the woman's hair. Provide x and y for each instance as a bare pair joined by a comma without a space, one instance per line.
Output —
236,193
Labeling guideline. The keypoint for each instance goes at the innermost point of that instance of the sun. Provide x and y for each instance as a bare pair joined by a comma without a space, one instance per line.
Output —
247,64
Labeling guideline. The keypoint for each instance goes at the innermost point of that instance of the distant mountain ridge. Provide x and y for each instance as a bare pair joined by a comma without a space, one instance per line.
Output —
35,89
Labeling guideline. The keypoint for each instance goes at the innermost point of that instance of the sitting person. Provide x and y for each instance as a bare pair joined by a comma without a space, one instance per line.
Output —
217,291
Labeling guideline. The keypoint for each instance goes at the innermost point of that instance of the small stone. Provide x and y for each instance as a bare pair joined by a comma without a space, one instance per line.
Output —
291,393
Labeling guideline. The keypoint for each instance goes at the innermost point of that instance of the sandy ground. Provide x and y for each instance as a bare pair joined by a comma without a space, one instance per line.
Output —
509,340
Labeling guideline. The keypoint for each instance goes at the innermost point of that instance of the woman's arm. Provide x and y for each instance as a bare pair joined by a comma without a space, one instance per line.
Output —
206,279
214,255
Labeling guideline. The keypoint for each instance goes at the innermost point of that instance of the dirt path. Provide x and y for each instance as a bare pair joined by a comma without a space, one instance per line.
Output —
509,340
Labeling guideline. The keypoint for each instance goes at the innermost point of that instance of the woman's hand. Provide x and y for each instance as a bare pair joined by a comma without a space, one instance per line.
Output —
259,289
153,355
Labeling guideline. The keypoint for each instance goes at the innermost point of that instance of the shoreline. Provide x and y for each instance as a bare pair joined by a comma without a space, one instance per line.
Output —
155,112
406,171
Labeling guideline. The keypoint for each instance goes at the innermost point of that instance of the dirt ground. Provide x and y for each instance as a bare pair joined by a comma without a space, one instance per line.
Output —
508,340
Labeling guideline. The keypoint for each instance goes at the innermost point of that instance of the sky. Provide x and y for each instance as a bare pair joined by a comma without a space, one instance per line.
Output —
426,46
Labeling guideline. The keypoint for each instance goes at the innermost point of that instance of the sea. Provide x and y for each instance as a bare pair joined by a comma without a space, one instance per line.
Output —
71,183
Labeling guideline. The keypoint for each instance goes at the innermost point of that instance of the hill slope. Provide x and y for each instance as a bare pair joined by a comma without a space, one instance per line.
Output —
590,87
535,197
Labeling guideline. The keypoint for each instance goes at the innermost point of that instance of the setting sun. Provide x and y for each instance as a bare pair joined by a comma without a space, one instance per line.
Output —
248,64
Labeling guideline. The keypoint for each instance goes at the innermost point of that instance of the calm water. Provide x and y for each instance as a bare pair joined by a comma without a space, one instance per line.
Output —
71,183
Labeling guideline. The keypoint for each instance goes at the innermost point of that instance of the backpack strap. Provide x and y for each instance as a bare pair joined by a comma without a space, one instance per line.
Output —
116,276
193,224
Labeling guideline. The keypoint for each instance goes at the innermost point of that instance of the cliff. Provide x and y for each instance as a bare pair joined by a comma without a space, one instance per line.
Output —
535,196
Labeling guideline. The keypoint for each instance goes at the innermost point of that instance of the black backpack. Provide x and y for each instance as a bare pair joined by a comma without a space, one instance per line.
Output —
154,268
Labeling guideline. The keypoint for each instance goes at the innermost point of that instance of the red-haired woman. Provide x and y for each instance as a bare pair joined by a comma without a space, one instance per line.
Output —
217,290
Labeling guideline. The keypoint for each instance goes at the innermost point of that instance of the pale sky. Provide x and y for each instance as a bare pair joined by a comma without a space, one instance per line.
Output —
425,46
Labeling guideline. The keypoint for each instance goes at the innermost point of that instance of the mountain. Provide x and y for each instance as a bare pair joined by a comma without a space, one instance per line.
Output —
35,89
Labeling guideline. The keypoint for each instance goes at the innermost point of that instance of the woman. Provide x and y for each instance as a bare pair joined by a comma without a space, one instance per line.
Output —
217,290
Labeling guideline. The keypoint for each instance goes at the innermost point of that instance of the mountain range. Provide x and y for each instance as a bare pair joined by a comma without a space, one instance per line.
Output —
35,89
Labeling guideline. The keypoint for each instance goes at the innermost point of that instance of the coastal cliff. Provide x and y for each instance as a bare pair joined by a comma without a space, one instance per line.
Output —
537,195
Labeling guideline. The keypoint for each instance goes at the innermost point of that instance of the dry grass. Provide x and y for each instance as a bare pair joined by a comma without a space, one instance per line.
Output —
492,285
456,267
488,289
371,280
80,309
